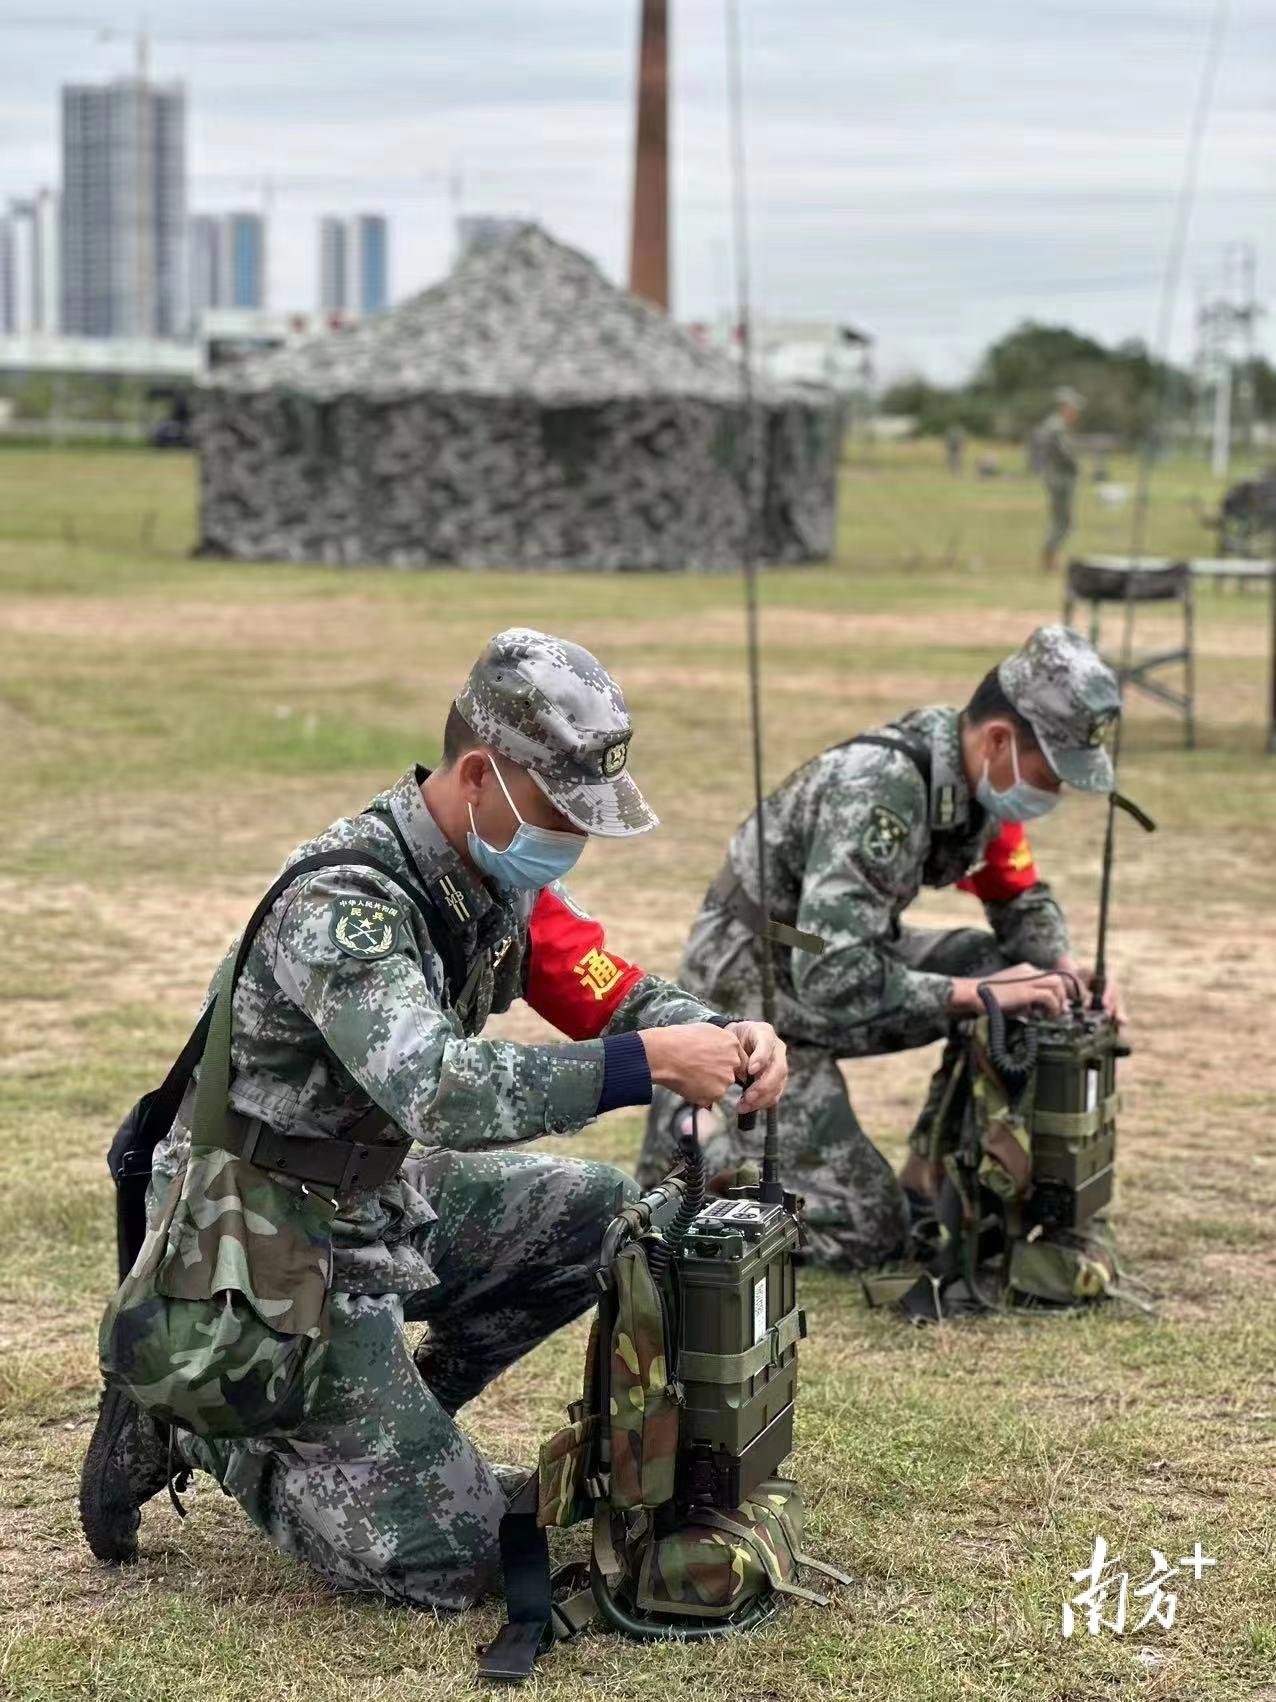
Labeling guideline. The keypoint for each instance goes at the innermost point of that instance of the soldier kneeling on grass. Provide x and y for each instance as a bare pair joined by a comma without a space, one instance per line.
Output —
259,1335
935,798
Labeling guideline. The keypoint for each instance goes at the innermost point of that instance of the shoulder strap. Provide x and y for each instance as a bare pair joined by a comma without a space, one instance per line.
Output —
529,1592
163,1104
941,809
445,935
918,755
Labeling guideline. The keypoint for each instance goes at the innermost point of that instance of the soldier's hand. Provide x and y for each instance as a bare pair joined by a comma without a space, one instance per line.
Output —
1023,988
767,1066
1112,1001
697,1060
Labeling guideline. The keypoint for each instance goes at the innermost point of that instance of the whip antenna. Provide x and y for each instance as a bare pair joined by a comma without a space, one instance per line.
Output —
751,482
1099,981
1116,801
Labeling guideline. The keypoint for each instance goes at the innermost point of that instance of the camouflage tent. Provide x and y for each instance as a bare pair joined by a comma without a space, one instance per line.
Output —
523,413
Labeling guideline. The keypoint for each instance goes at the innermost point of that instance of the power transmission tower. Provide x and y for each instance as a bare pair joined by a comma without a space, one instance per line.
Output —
1226,326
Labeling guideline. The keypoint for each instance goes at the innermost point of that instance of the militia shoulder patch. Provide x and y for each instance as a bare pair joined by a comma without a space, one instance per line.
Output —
884,836
365,927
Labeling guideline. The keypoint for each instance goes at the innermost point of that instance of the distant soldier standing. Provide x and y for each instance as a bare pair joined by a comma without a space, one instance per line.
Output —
935,798
1055,457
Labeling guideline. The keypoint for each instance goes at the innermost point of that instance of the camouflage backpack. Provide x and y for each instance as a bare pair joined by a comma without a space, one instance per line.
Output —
990,1242
658,1568
220,1323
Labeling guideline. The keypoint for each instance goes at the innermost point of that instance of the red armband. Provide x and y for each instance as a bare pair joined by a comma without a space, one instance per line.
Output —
1007,869
573,981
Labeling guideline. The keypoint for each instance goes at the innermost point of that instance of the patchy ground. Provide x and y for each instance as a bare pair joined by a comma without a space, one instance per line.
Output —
171,729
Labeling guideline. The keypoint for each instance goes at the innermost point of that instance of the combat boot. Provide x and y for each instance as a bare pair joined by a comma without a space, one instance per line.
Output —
127,1463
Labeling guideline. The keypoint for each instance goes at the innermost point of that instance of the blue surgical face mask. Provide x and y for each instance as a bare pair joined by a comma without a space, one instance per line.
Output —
536,857
1020,802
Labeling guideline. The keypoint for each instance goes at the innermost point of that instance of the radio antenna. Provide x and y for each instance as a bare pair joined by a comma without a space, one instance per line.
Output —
1116,801
1099,984
771,1188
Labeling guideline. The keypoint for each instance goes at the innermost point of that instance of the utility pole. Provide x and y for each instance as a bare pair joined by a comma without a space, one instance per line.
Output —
649,230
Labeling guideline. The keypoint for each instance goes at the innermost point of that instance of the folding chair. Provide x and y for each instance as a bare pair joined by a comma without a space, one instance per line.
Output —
1114,579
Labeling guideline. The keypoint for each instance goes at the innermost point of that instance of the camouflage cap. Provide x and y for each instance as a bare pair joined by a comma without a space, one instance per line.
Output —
553,709
1066,397
1070,697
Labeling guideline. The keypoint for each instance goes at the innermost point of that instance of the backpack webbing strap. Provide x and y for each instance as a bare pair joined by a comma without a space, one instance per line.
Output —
730,890
575,1612
918,755
734,1367
529,1592
822,1567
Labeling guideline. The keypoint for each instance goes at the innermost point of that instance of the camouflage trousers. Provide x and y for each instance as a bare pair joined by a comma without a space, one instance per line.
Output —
1059,523
855,1214
379,1489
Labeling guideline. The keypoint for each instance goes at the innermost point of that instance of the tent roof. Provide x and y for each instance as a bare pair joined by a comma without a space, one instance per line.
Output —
526,317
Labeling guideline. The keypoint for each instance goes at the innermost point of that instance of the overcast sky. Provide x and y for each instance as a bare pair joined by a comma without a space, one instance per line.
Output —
932,170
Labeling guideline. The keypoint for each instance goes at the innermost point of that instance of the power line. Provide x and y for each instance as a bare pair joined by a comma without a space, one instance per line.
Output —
1170,281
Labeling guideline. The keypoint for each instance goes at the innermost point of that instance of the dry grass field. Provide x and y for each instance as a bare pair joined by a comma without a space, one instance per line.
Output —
169,729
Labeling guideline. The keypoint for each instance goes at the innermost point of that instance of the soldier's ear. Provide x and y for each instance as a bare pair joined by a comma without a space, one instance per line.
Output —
472,771
996,738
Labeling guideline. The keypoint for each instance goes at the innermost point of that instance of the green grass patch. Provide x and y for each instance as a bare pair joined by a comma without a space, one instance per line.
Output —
173,727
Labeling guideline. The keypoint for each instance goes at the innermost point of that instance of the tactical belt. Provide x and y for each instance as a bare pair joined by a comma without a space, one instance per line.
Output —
726,887
326,1161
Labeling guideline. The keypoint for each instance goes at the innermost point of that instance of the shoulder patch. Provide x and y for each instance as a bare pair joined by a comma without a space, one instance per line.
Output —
884,835
365,927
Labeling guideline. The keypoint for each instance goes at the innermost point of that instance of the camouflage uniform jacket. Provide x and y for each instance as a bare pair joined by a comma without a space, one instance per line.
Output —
322,1033
1056,453
852,837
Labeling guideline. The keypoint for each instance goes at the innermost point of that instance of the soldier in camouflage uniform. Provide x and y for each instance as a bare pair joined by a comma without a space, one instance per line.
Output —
1055,459
357,1013
935,798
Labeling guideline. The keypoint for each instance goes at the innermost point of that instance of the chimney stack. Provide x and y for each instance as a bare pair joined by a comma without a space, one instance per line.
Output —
649,233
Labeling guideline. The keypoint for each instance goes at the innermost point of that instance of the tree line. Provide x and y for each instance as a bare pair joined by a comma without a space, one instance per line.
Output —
1013,386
